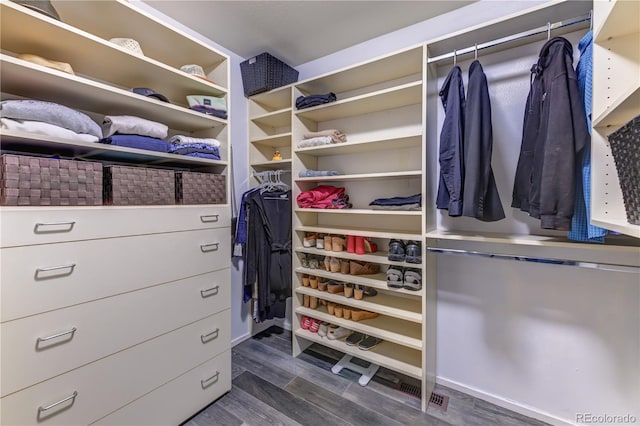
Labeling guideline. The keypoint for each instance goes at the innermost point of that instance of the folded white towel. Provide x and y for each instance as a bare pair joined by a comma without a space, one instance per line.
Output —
46,129
320,140
335,134
130,125
182,139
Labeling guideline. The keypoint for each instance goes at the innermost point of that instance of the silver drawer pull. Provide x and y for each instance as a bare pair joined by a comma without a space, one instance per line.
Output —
56,268
208,382
209,247
210,291
62,401
66,227
207,337
209,217
44,339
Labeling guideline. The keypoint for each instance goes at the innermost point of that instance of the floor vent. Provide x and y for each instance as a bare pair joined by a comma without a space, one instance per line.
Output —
410,389
439,401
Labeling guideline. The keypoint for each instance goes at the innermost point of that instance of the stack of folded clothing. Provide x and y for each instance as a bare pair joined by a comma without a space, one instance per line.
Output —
324,197
49,119
313,100
209,105
134,132
317,173
195,147
413,202
324,137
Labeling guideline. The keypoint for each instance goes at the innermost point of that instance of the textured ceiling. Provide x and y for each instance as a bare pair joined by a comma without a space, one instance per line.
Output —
298,31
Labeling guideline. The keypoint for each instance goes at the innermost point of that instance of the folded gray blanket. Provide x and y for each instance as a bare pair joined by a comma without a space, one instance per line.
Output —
52,113
131,125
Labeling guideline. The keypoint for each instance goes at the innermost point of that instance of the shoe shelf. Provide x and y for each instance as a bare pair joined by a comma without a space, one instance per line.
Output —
403,308
378,280
377,257
386,328
281,118
369,145
385,354
381,100
363,232
363,176
362,211
274,141
38,82
46,36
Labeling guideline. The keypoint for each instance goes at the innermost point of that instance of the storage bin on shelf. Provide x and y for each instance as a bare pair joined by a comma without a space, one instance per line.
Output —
265,72
40,181
125,185
200,188
625,147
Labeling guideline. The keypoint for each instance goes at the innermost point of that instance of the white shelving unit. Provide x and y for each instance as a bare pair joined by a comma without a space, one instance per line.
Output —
115,306
616,100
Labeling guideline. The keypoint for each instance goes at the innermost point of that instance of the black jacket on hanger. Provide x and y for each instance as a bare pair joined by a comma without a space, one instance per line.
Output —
451,155
481,198
555,130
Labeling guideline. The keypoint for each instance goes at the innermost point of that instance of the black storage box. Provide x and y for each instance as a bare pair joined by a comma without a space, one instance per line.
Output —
625,147
265,72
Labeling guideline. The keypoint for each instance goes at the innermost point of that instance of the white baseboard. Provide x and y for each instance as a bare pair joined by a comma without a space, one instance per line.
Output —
504,403
240,339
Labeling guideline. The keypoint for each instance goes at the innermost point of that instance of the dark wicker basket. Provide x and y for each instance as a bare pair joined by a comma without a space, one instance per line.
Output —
200,188
39,181
130,186
265,72
625,147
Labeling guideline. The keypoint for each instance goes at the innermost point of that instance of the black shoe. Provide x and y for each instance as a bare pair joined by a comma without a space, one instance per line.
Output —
354,339
368,343
413,250
396,251
412,279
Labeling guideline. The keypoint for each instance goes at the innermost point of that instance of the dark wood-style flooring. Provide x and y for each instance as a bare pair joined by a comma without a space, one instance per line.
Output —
270,387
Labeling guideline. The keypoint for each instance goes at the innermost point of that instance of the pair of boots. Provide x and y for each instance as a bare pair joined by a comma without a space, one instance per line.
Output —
360,245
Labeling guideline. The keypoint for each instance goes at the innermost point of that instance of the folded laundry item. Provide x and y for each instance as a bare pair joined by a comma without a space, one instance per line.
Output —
324,197
335,134
314,100
317,141
210,111
60,66
182,139
137,141
207,102
412,206
52,113
131,125
190,148
145,91
397,201
203,155
317,173
46,129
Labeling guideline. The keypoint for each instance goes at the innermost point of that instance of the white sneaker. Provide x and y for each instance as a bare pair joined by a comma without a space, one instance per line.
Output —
338,333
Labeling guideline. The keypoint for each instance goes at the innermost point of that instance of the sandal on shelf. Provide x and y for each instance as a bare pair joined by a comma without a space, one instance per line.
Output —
334,264
322,284
354,338
309,239
346,312
396,251
395,277
348,290
337,243
363,268
335,287
327,263
351,243
344,266
327,243
412,279
305,280
331,308
304,261
359,245
368,343
369,246
320,241
313,302
358,315
305,301
339,311
413,252
313,281
314,263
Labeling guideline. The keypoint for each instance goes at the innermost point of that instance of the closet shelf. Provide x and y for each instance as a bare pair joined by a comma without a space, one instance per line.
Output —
20,141
364,176
71,45
356,147
621,226
274,141
37,82
389,355
381,100
617,19
391,329
281,118
272,164
274,100
363,232
362,211
378,280
620,110
377,257
385,304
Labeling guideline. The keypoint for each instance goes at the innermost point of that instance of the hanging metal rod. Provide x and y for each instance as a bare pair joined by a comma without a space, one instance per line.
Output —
540,30
563,262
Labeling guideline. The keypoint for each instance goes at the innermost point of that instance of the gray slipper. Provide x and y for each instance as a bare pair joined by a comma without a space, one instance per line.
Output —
368,343
412,279
394,277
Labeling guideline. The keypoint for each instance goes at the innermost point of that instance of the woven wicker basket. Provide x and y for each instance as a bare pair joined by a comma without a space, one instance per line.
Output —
37,181
625,147
200,188
125,185
265,72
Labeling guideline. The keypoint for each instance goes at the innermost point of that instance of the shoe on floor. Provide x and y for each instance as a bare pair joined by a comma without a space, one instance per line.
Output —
395,277
413,252
337,333
396,251
412,279
368,343
354,339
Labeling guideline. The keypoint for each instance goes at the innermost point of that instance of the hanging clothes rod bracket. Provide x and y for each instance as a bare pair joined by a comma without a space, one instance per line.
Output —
563,262
540,30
